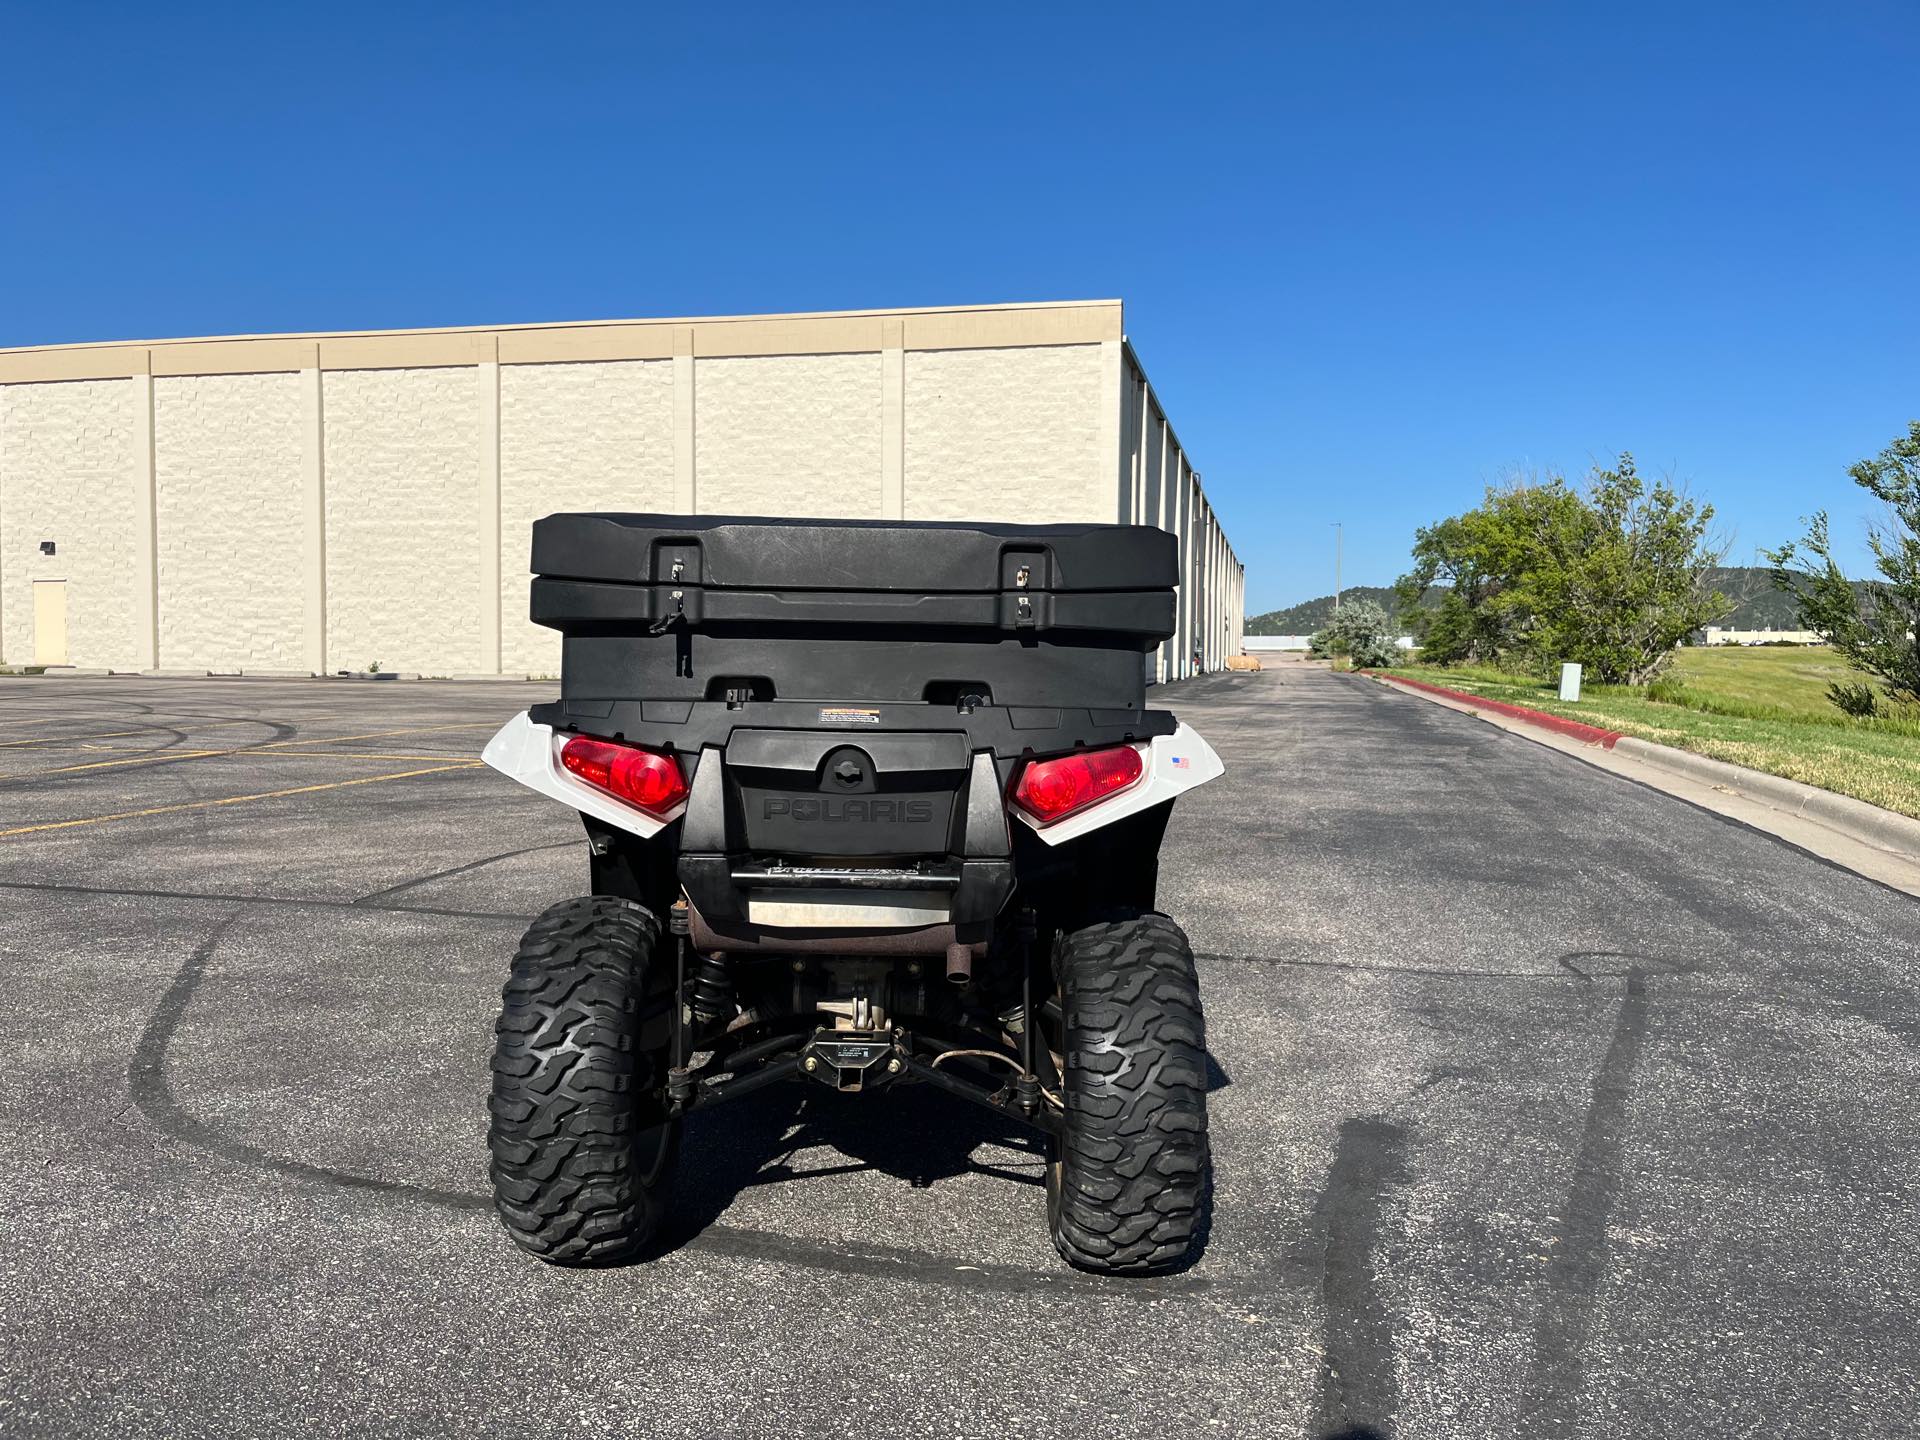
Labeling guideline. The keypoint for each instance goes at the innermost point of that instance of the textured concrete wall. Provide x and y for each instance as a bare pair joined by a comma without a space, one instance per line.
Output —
788,435
1012,435
376,492
574,437
67,475
403,555
227,521
1007,434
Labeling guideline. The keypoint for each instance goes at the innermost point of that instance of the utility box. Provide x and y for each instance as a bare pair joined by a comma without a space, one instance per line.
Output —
676,608
1570,682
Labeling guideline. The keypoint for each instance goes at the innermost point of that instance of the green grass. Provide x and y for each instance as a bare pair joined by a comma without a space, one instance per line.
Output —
1763,707
1778,680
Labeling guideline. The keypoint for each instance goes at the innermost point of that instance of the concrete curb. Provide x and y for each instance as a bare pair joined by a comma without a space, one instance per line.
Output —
1866,823
1857,820
1589,734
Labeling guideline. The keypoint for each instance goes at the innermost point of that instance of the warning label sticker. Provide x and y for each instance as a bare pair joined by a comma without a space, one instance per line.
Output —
845,715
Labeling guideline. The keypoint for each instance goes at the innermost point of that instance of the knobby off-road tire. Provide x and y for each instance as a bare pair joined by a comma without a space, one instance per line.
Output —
1130,1182
582,1142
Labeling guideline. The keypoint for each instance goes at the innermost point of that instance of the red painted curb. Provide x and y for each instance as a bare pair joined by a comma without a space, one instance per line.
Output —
1591,734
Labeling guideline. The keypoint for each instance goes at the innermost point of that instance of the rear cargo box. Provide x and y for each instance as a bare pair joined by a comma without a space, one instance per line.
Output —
718,608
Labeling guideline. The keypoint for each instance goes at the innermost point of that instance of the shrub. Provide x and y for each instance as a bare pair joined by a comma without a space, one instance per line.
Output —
1376,652
1362,630
1669,690
1858,701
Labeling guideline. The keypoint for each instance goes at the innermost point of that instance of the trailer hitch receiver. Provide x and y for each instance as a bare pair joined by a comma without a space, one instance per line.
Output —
850,1060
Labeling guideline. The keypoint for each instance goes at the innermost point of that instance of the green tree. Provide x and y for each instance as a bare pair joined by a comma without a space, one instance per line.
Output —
1873,623
1616,586
1477,560
1613,579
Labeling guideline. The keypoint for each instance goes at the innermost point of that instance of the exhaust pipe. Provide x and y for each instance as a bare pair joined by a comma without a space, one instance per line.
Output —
959,964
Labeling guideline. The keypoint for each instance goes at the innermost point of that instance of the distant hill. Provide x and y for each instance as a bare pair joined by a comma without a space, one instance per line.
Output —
1309,615
1758,605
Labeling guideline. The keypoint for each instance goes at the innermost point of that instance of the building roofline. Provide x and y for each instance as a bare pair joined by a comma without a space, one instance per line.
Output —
544,326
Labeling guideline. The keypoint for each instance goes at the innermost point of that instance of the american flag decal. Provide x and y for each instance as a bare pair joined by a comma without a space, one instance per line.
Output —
1179,761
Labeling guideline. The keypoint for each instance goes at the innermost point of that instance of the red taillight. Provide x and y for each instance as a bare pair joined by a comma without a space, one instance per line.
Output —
647,781
1051,790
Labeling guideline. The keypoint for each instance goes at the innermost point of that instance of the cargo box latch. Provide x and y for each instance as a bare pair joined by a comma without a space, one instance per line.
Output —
679,615
1019,581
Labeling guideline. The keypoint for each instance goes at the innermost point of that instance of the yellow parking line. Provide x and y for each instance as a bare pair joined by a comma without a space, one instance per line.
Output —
158,757
69,739
233,799
271,747
109,764
340,755
244,749
382,734
54,747
63,718
68,717
51,746
193,724
124,734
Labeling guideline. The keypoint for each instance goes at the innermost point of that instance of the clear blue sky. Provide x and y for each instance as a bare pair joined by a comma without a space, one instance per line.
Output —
1374,256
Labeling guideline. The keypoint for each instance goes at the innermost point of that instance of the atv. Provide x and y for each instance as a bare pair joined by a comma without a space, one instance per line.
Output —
867,804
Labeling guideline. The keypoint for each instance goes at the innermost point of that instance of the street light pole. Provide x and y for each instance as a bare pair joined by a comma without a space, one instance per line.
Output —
1337,537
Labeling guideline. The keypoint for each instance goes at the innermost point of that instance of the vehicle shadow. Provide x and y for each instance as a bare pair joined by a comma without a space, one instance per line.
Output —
908,1132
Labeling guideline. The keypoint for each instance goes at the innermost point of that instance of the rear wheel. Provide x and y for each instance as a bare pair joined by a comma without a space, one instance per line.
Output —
581,1137
1129,1185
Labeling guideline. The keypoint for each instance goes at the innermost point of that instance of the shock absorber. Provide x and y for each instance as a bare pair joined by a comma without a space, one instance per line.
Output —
680,1082
710,990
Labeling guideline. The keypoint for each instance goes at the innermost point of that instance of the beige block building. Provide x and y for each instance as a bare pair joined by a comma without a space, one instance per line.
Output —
315,503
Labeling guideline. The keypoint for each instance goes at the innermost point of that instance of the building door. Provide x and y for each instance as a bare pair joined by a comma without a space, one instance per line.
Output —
49,622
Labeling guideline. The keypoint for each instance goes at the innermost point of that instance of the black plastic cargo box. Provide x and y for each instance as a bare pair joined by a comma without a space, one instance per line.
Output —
734,610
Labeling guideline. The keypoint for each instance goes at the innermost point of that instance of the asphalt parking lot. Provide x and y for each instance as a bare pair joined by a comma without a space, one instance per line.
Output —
1547,1105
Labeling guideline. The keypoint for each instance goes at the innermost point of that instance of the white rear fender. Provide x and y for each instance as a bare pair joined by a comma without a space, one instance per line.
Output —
1174,765
530,753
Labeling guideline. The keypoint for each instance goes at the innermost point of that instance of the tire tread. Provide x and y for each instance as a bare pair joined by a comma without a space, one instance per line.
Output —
1134,1179
571,1091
